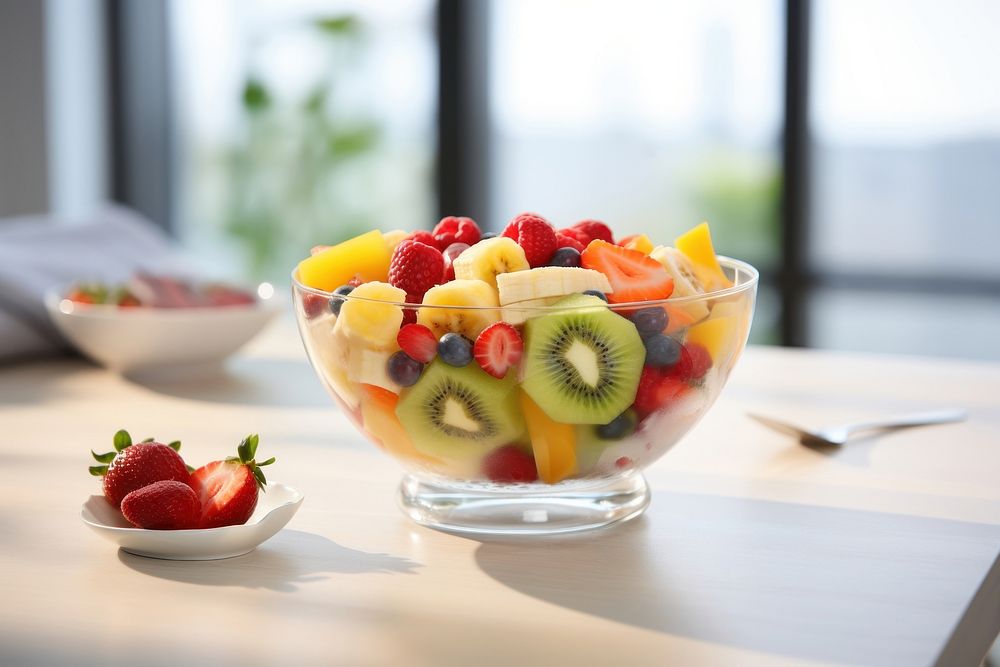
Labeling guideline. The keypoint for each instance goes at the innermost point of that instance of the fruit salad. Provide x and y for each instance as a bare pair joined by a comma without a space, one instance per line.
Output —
147,290
535,356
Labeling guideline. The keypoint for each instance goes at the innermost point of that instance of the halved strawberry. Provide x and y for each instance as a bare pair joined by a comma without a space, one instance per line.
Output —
228,489
418,341
498,348
163,505
633,275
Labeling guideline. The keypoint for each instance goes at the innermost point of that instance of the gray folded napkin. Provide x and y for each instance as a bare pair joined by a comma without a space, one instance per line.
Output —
40,252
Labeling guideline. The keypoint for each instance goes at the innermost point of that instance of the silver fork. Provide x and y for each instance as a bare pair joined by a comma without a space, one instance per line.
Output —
838,435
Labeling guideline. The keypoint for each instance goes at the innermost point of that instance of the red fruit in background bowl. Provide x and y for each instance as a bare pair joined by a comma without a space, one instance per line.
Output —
163,505
456,230
535,236
227,490
132,467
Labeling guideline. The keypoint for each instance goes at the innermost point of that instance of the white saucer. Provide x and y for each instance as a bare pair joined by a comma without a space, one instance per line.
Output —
274,509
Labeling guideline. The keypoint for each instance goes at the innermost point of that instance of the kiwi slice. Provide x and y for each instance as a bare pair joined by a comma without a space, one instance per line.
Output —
460,413
582,365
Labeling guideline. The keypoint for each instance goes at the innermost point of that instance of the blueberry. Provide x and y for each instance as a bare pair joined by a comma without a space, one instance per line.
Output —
619,427
336,303
487,235
661,351
565,257
650,321
598,293
403,369
455,349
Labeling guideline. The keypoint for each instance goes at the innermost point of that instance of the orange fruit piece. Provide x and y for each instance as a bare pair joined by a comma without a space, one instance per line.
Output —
638,242
378,415
553,443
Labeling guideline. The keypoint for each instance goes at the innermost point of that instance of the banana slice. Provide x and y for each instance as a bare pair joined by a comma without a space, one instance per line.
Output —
460,292
686,281
518,313
549,281
368,366
487,259
374,323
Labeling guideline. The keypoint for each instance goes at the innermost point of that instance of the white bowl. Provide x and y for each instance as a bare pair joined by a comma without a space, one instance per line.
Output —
130,339
274,509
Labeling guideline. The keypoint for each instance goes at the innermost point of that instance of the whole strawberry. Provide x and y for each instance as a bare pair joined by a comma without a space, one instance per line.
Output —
132,467
415,267
535,236
163,505
228,489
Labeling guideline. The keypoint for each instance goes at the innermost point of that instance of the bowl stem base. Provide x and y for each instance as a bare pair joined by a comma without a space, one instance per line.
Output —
466,508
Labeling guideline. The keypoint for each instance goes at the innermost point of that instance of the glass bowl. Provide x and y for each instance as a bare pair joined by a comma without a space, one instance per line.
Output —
555,446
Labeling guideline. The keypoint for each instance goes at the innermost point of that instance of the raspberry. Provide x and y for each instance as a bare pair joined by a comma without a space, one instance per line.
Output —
535,236
595,229
423,236
645,396
456,230
694,362
566,241
510,464
581,237
415,267
656,389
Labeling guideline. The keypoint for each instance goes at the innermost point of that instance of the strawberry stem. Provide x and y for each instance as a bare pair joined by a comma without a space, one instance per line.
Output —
247,450
122,441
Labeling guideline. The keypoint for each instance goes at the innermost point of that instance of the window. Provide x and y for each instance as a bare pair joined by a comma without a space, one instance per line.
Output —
905,216
299,123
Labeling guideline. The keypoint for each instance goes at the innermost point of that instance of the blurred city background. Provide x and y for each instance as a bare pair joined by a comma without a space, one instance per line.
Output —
850,149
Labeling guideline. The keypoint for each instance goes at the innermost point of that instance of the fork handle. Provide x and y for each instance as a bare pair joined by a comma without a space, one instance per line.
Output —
915,419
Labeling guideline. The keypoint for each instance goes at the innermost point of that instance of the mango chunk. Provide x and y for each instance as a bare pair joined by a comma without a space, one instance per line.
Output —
696,243
366,256
553,444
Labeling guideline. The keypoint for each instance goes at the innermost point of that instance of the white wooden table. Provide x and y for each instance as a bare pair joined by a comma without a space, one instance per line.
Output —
755,550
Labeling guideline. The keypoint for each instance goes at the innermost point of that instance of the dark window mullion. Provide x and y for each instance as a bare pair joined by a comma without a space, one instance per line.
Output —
796,186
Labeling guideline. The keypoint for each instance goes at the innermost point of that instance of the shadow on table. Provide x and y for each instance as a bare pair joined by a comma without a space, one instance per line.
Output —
285,562
244,381
811,582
